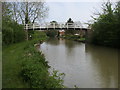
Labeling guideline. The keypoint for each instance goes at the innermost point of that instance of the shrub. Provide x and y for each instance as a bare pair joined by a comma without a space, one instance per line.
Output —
12,32
51,33
35,70
106,26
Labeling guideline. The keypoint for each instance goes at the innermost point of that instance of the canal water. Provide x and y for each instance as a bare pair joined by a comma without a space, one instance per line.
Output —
86,66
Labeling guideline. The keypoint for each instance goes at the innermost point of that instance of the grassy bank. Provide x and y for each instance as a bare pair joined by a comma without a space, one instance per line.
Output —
25,67
11,66
75,38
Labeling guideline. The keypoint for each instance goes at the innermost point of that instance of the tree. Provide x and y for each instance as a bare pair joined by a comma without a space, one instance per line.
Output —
70,20
6,12
52,23
29,12
107,26
69,24
12,32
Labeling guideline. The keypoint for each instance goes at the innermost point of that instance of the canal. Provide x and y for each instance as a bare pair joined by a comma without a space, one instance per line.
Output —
86,66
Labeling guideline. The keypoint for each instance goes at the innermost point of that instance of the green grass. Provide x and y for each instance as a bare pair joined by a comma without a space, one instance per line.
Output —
0,60
11,63
75,38
82,39
24,66
11,66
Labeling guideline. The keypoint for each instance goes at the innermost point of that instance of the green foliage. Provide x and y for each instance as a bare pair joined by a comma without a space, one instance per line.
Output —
72,32
75,38
72,37
70,20
11,66
82,39
35,69
51,33
12,32
37,37
107,27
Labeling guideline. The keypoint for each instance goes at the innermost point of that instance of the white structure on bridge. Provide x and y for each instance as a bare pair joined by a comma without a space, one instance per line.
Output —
61,25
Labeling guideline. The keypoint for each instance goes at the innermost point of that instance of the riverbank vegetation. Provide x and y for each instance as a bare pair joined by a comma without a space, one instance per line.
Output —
106,28
24,66
75,38
51,33
35,68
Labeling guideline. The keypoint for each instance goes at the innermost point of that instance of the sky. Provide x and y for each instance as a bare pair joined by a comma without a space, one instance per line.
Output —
78,10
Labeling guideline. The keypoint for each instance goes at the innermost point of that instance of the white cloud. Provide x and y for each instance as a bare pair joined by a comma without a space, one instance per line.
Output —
78,11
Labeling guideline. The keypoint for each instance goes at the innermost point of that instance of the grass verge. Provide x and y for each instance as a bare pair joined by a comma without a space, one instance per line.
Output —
25,67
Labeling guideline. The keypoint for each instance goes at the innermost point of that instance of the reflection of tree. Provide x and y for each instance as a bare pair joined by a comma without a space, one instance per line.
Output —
105,59
53,41
69,45
119,67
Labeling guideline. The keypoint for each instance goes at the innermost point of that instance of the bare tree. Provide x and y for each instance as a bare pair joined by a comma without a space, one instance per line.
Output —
29,12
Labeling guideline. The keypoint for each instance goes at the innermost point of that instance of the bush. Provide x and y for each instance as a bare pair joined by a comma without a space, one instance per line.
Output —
107,26
72,37
35,70
12,32
51,33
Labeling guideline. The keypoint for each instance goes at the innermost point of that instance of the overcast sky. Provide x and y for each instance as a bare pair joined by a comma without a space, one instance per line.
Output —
78,10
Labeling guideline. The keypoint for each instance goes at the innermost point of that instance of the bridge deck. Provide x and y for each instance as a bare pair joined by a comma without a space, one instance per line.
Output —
58,29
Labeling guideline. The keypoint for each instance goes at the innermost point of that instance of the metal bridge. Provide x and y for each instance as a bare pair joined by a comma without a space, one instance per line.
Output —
56,26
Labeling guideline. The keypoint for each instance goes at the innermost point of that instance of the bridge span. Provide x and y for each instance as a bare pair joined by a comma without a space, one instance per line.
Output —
56,26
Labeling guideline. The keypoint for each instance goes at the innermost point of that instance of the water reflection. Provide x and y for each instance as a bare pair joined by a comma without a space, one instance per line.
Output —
85,66
104,60
53,41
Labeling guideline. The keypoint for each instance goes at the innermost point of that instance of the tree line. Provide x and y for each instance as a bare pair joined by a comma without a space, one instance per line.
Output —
15,15
106,28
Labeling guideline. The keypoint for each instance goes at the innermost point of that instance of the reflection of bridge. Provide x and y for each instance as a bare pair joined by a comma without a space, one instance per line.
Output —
56,26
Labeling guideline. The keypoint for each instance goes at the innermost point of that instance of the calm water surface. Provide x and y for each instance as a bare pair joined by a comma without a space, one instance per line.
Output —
85,66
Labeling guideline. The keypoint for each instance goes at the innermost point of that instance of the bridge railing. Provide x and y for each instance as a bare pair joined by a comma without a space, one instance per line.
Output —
54,25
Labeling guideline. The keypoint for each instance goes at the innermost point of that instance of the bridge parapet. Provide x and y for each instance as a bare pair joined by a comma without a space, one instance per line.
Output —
60,25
